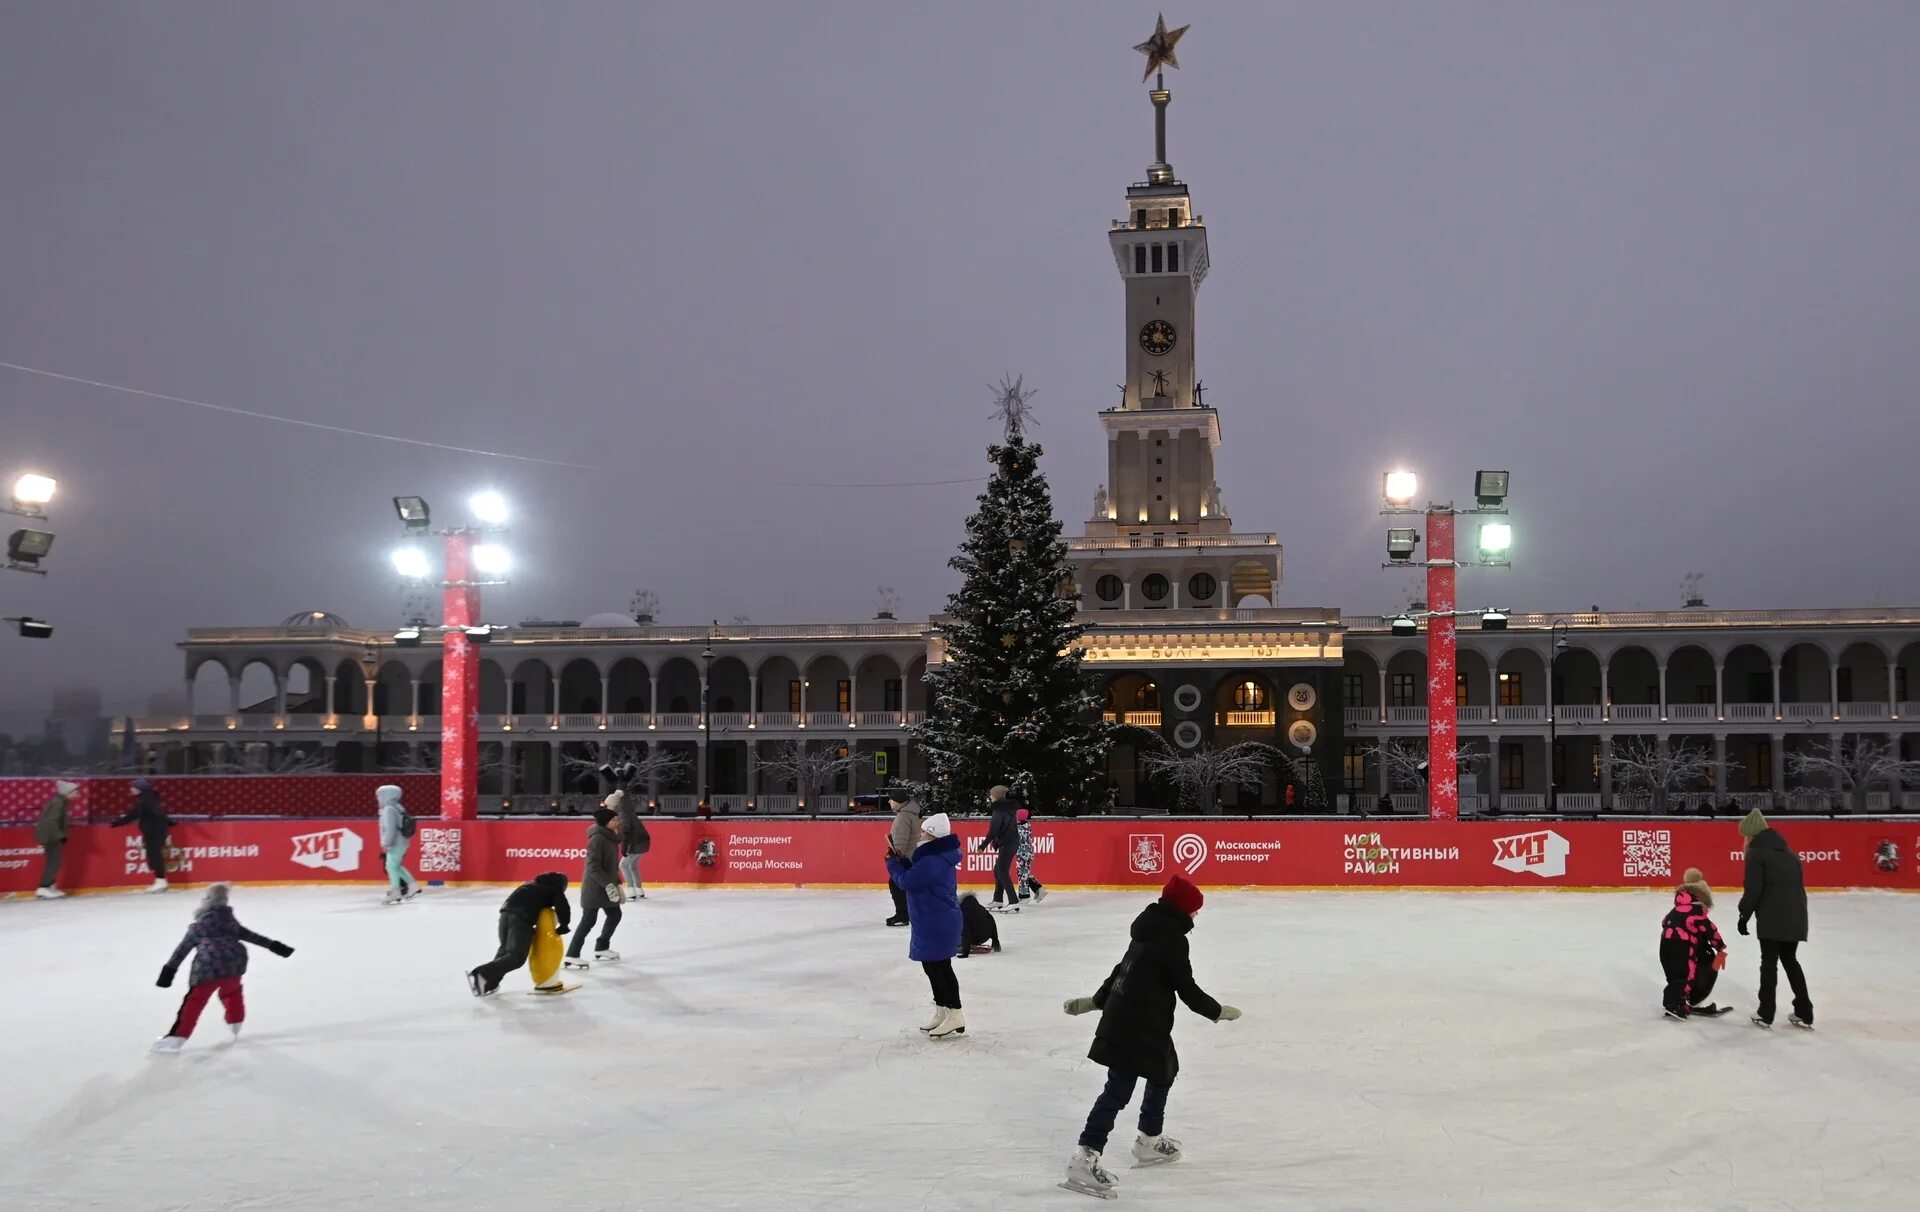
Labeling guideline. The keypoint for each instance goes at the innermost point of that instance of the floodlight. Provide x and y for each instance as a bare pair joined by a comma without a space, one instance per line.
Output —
1399,487
32,491
489,508
28,547
1490,487
479,635
1493,620
1401,540
492,560
1495,538
32,629
1404,625
414,514
407,637
411,563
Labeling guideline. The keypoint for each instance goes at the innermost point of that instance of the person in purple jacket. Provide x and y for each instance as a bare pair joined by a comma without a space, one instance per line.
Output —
218,942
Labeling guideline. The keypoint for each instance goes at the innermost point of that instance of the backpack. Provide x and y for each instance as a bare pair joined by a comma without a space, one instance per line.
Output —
406,823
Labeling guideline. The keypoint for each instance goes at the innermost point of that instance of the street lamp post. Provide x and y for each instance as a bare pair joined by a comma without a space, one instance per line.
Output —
1399,490
1558,632
706,752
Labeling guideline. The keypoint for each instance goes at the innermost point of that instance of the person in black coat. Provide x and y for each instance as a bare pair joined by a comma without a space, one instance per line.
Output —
1776,893
1003,836
977,927
154,823
518,916
1135,1036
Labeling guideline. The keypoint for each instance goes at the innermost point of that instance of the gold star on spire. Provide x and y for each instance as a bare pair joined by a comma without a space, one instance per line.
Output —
1159,48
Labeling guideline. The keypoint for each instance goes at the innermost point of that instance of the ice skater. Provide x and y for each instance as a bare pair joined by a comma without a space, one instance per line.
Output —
1135,1037
154,824
1023,870
1691,951
396,835
929,880
599,890
1003,836
218,942
634,841
518,915
978,931
1776,893
50,831
902,837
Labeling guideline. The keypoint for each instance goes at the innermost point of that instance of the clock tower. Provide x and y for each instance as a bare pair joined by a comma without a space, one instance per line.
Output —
1161,491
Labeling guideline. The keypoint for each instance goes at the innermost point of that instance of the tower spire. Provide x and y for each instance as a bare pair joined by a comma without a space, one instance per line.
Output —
1159,50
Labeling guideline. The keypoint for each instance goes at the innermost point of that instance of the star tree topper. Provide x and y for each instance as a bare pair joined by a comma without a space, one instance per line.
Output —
1159,48
1012,405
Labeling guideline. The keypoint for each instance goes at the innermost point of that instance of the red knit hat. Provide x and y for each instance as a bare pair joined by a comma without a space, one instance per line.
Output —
1182,895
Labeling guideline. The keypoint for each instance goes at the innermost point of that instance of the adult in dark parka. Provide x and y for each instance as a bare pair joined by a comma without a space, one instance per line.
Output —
1776,895
1003,837
154,824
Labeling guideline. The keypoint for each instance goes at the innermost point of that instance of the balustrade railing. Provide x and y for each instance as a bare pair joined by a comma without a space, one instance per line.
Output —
1690,713
1406,715
1635,713
776,803
1524,713
1750,712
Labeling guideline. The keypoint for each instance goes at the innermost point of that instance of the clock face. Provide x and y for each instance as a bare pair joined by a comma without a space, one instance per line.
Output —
1157,337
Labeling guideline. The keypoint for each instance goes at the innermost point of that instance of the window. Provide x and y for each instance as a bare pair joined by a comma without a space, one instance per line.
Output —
1147,697
890,695
723,705
1845,682
1155,587
1157,460
1173,216
1513,767
1157,258
1352,690
1510,693
1900,684
843,695
1560,765
1353,770
1402,689
1140,218
1459,688
1249,696
1173,258
1109,588
1139,258
1759,688
794,699
1201,586
1760,770
517,700
678,705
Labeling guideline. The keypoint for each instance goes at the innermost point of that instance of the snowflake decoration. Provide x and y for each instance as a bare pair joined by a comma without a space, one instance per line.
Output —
1443,664
1446,631
1447,787
1442,727
1433,684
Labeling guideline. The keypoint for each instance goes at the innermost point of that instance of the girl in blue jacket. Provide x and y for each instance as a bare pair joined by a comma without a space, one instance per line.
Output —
930,880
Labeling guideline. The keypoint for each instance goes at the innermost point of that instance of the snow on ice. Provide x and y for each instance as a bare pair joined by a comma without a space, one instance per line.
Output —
758,1049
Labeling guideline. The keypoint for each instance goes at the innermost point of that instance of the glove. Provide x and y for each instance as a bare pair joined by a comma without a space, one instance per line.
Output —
1079,1005
1228,1014
1720,962
280,949
613,892
561,929
166,978
1742,926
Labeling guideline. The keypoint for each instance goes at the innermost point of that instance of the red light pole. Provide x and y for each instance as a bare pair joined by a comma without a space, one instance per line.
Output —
1399,489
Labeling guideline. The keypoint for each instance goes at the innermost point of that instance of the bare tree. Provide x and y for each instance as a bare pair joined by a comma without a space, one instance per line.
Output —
1404,761
1854,768
1200,774
627,766
252,760
811,768
1644,766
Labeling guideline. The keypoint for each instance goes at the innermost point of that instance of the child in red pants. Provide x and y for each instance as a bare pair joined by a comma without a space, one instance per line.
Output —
218,941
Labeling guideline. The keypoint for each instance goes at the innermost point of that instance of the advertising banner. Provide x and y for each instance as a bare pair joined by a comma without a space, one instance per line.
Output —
99,800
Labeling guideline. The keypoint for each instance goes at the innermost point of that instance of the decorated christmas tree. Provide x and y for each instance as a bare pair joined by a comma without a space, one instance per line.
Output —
1009,703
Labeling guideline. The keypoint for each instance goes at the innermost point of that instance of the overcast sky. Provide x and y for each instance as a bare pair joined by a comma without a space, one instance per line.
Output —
1658,259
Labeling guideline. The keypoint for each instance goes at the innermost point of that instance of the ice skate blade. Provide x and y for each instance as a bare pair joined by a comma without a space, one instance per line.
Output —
1143,1163
1096,1192
1804,1026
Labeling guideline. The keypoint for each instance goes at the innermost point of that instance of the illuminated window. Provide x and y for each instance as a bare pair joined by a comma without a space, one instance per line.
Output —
1354,769
843,696
794,697
1147,698
1249,696
1460,688
1510,694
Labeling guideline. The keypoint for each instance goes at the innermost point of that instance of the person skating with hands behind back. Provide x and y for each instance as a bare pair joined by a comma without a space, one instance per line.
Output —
1135,1037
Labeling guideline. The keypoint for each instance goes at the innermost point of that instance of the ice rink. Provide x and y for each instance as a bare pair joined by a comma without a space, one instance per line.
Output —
759,1050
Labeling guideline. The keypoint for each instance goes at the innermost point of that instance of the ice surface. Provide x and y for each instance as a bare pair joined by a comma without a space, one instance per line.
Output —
759,1050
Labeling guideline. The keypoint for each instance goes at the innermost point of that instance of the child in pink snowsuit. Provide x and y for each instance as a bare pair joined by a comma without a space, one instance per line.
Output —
219,943
1691,950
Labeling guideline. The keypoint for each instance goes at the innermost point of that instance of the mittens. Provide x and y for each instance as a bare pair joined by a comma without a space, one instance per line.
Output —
1742,924
166,977
1228,1013
613,892
1079,1005
1720,961
280,949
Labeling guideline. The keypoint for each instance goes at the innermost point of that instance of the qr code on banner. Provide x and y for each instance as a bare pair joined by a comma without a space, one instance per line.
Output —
440,850
1647,853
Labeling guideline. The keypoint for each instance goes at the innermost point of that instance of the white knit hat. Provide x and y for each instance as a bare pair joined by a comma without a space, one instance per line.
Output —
937,825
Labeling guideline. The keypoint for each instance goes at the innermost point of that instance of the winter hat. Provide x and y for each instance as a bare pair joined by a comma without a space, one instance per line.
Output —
603,816
1753,825
1021,815
65,788
1182,895
1696,884
614,800
387,793
216,898
937,825
142,785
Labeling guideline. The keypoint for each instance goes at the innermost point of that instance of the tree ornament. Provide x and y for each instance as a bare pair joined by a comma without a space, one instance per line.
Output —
1009,639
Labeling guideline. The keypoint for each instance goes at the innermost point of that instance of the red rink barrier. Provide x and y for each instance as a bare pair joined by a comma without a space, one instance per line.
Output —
295,796
1088,853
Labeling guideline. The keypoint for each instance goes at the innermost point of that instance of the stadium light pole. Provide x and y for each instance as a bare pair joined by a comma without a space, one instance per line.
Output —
468,567
1399,490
